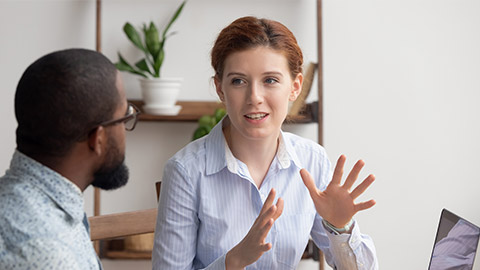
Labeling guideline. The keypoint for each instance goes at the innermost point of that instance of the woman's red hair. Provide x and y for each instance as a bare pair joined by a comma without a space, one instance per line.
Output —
250,32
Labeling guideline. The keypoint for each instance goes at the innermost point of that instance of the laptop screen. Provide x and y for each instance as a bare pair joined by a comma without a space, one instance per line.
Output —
455,243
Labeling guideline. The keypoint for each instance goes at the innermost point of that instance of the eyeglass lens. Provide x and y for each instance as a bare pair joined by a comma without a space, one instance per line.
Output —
130,122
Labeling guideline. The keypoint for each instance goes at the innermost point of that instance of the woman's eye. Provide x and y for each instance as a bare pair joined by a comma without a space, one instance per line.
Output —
237,81
271,81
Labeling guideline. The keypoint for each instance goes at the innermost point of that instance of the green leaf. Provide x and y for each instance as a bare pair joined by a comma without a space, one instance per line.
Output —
169,35
158,62
123,65
142,65
148,56
200,132
219,114
173,19
152,40
134,36
207,121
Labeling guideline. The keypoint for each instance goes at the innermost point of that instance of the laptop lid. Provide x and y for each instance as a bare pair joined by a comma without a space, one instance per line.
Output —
455,244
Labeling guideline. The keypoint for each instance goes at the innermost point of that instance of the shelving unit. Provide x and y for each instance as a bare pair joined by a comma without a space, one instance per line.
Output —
191,111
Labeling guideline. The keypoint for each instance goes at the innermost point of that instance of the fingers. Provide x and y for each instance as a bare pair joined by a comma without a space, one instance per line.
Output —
279,210
274,212
308,181
266,247
362,187
353,175
253,244
265,222
268,202
270,211
364,205
338,173
264,229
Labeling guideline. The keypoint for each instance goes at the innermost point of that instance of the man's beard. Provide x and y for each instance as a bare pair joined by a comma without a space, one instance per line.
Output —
114,173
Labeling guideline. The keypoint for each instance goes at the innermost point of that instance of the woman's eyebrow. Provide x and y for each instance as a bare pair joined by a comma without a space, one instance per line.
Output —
273,73
265,73
235,74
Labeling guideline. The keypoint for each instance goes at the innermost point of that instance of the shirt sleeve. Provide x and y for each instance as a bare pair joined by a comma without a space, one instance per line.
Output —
350,251
343,251
177,222
41,254
175,242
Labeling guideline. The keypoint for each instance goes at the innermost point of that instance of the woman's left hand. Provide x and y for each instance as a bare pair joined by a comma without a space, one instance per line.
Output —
336,203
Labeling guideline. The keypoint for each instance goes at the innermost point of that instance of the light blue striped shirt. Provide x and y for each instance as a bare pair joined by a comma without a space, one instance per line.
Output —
209,202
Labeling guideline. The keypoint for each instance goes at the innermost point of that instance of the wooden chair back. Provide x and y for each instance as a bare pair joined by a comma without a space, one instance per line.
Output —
105,227
118,225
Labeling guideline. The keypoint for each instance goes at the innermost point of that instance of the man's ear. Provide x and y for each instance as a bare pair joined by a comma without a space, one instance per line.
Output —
296,87
96,140
218,87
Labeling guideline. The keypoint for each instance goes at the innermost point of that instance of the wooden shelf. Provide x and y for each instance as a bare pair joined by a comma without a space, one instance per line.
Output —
192,110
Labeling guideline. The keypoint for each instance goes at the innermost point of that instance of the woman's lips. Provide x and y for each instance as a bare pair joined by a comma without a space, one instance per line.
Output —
256,116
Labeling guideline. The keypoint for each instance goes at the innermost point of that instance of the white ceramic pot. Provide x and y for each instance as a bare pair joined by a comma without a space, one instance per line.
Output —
160,92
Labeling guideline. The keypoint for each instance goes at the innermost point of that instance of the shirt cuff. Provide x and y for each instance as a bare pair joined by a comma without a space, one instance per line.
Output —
218,264
345,241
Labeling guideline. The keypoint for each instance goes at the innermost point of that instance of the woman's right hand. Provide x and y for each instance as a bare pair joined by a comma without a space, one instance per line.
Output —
252,247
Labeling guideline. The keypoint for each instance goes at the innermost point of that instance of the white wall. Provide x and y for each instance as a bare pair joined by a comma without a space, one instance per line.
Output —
400,80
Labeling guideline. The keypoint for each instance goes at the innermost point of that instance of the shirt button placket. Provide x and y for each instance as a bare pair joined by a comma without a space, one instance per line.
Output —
263,197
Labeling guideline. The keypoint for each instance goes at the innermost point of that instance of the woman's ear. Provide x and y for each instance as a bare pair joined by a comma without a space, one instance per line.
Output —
296,87
96,140
218,87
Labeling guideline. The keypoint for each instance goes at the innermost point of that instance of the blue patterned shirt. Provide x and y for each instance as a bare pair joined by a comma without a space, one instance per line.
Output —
42,221
209,202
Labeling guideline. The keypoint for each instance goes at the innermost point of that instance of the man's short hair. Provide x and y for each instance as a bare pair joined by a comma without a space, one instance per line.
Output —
61,97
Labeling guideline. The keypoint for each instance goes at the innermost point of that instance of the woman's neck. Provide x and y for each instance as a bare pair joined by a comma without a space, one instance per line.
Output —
257,154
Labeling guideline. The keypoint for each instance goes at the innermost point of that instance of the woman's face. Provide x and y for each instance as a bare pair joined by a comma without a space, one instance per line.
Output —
256,87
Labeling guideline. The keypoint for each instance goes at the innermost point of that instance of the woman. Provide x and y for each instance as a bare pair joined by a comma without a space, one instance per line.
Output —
217,206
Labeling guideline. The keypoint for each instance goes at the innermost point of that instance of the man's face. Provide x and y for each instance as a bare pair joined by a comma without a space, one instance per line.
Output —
114,173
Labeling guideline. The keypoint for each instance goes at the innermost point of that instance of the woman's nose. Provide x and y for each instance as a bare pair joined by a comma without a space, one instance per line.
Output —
255,94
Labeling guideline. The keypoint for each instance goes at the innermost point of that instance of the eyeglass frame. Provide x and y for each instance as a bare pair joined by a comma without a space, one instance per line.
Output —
124,119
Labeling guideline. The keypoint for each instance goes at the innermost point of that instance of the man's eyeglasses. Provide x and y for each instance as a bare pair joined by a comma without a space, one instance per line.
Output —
130,119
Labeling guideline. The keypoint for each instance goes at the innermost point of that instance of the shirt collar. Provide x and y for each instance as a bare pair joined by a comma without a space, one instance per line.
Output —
286,152
61,190
215,149
220,156
230,159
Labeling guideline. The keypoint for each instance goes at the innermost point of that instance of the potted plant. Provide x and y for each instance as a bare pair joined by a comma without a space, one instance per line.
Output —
159,94
207,122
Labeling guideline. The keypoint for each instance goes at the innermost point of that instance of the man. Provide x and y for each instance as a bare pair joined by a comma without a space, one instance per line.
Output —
72,114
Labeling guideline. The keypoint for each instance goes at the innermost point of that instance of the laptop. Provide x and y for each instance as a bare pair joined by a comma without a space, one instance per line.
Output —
455,244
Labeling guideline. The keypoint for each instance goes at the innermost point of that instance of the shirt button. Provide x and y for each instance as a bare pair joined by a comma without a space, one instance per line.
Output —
263,197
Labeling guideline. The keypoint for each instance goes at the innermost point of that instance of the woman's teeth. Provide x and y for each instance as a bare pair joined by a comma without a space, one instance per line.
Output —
256,116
